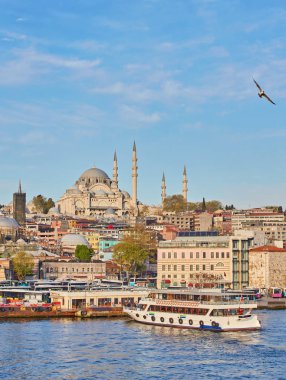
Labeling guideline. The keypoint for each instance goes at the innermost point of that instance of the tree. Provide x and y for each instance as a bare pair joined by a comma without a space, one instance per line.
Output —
23,264
135,249
83,253
175,203
42,204
212,206
229,207
204,207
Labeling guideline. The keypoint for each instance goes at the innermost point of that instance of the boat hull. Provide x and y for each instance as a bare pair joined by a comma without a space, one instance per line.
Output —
220,324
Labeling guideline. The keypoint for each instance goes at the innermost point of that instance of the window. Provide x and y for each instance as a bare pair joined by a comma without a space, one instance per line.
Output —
169,255
217,255
175,255
197,255
204,267
169,267
182,276
163,255
191,255
212,267
175,276
63,269
163,276
183,267
175,267
222,255
191,268
212,255
197,267
204,255
227,255
163,267
183,255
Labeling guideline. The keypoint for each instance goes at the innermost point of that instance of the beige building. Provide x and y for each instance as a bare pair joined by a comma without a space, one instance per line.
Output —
52,270
192,260
73,300
190,220
267,267
189,260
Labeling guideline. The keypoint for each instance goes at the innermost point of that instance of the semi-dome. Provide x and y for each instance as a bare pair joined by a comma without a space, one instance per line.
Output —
94,173
21,242
8,223
74,190
126,194
99,192
110,211
74,240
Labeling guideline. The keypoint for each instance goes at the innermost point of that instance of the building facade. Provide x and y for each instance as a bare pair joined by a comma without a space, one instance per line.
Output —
205,259
267,267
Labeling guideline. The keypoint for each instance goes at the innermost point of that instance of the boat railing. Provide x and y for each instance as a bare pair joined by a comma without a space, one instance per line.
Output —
212,302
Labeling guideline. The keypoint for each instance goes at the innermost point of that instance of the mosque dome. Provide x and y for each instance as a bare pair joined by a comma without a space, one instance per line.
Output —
94,173
53,211
21,242
8,223
74,240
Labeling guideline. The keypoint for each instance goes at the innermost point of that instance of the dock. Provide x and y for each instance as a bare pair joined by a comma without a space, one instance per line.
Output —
271,303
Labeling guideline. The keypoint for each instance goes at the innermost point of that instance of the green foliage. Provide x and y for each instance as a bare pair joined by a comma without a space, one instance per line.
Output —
204,206
275,208
133,251
23,265
175,203
43,204
229,207
83,253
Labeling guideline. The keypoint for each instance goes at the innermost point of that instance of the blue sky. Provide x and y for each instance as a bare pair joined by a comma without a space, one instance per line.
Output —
81,78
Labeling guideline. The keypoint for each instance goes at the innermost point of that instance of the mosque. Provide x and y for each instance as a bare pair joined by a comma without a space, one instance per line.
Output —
95,194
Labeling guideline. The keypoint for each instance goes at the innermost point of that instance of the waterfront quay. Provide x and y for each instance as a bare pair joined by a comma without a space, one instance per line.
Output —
70,304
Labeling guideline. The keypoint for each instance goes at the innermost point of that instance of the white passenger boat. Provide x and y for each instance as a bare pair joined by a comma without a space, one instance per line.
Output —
196,309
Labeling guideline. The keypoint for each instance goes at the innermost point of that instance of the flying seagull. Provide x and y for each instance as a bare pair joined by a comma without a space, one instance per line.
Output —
262,93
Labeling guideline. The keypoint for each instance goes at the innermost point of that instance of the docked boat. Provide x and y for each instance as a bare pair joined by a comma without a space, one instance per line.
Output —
196,309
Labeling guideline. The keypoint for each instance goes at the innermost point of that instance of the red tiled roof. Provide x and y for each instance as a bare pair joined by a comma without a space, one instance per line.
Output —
268,248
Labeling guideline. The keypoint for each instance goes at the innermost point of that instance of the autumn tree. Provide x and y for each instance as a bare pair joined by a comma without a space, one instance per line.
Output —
135,249
42,204
83,253
23,265
175,203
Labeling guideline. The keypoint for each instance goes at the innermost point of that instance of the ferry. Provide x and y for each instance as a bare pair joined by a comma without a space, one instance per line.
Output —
212,310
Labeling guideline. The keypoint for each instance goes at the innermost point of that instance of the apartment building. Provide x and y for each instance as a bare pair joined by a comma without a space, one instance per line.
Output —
190,260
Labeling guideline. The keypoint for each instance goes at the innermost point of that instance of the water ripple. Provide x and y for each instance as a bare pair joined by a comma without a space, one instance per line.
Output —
121,349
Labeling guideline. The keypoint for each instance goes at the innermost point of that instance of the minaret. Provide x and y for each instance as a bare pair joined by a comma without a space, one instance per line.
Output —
19,206
115,172
134,177
185,181
163,187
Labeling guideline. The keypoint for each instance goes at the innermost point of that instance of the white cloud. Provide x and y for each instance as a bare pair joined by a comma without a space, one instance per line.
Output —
137,117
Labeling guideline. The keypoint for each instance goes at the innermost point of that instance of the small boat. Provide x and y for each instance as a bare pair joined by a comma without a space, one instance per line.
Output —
211,309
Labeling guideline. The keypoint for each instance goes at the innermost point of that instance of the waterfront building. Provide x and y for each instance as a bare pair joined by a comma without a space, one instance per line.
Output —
19,206
74,300
267,267
95,194
199,259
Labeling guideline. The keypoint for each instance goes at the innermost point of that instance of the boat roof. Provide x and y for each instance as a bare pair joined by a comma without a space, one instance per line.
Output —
202,292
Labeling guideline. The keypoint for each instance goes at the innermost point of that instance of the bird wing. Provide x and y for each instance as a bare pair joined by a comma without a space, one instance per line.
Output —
267,97
260,89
